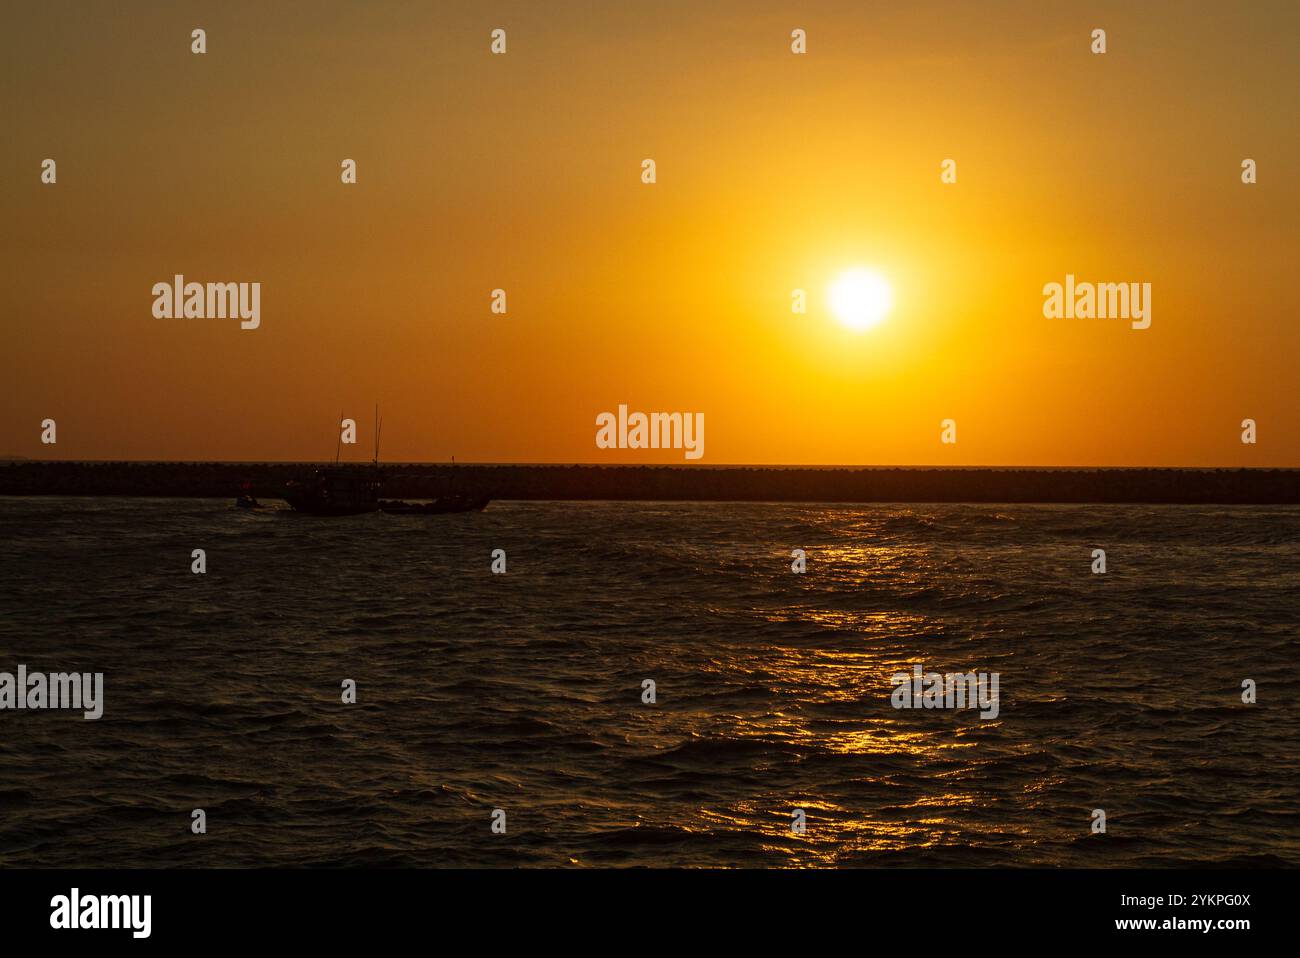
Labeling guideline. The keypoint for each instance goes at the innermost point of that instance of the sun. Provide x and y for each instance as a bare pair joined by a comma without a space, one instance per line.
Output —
861,299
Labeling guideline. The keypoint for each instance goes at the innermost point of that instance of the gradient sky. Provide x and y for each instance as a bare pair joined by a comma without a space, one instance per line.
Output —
775,172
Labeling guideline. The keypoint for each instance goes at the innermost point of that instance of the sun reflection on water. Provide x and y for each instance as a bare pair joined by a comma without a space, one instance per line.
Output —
917,773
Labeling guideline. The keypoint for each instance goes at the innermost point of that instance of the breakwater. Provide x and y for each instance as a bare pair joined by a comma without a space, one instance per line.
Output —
675,483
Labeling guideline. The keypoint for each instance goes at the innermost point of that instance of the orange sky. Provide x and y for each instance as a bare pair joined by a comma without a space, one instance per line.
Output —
775,172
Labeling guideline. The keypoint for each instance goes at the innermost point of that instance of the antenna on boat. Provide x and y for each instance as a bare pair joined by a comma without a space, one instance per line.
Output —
379,427
338,446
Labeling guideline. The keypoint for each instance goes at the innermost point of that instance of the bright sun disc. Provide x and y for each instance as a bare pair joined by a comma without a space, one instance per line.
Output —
861,299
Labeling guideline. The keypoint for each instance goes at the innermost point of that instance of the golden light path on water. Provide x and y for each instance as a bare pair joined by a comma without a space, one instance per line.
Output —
888,641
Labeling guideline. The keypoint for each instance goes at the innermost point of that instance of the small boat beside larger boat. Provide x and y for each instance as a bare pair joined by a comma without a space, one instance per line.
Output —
245,499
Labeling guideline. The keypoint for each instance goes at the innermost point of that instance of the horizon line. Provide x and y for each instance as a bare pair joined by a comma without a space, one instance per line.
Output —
12,460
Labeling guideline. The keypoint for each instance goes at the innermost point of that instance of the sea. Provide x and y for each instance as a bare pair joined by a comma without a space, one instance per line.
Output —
652,684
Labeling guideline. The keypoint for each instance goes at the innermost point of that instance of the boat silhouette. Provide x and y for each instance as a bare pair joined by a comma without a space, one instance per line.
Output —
349,490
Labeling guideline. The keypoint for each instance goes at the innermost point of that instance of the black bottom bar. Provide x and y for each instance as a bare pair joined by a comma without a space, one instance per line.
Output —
653,909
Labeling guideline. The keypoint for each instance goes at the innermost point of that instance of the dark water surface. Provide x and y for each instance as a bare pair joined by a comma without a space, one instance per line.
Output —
523,691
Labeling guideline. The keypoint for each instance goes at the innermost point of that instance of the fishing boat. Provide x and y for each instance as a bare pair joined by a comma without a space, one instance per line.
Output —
349,490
